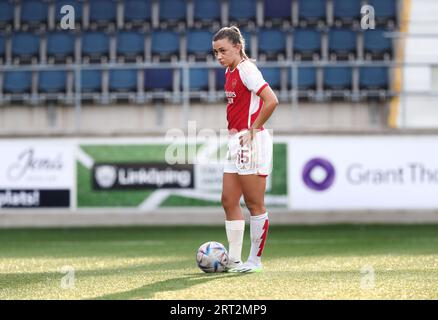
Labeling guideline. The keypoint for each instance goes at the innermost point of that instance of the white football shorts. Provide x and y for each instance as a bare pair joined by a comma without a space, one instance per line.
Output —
253,159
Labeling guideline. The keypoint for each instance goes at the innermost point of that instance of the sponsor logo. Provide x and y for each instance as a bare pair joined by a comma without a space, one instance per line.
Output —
27,162
142,176
318,183
34,198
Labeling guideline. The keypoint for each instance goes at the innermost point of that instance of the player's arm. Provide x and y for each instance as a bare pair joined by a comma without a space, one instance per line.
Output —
270,102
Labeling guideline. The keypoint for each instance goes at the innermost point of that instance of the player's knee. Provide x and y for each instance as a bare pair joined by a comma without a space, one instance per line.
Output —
255,207
228,202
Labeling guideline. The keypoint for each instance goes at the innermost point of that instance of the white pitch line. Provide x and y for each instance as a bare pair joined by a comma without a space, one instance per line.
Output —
84,158
154,200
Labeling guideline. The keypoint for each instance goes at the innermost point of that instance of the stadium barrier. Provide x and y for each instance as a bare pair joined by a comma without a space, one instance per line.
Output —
315,179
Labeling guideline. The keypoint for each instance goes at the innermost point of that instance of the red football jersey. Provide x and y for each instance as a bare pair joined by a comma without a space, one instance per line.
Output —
242,88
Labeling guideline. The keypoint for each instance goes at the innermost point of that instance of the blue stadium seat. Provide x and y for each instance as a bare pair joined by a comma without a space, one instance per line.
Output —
278,13
376,45
220,79
272,76
198,79
371,78
271,42
199,43
52,81
342,43
34,13
91,81
242,11
25,46
247,37
307,43
130,45
95,45
385,11
17,82
2,47
172,11
76,4
337,78
165,44
103,12
123,80
306,78
347,12
158,79
311,12
6,14
207,11
138,12
60,45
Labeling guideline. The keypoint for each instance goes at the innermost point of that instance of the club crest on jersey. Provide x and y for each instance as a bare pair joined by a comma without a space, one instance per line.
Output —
230,96
234,83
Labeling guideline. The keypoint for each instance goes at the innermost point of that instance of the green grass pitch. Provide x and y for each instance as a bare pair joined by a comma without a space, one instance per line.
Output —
300,262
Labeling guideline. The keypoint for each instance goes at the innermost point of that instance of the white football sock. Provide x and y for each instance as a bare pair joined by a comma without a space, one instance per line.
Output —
259,230
235,230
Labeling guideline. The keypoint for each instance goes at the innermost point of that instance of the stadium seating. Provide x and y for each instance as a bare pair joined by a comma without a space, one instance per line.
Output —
2,48
206,12
272,76
6,14
52,81
158,79
242,12
198,79
126,30
342,44
373,78
130,46
123,80
172,12
307,44
272,43
337,80
91,81
385,12
220,78
165,45
347,12
311,12
376,45
34,13
103,13
137,12
278,14
95,46
25,47
60,46
17,82
199,44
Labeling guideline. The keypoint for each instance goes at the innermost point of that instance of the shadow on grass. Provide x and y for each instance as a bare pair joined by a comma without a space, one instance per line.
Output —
175,284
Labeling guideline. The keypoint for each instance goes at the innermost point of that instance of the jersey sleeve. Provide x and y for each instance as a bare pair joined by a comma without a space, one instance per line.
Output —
251,77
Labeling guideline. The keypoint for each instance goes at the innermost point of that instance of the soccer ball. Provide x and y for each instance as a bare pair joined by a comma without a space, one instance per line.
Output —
212,257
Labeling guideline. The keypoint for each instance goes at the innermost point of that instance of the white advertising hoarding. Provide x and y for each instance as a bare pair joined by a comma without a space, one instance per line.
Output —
36,173
363,172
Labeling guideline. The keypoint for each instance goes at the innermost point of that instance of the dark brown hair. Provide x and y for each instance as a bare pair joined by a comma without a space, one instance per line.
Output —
233,34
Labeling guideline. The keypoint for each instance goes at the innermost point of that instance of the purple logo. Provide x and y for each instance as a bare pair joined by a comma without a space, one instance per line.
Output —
323,164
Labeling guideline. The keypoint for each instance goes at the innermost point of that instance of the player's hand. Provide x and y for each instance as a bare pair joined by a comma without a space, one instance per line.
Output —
246,139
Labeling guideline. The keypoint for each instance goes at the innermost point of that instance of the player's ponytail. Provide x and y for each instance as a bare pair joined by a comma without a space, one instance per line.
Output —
234,35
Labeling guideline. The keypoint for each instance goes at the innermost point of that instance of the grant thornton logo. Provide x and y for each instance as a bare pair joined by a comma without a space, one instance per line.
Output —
318,174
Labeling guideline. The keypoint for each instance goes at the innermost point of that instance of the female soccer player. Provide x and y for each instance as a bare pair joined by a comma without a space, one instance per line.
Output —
250,104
